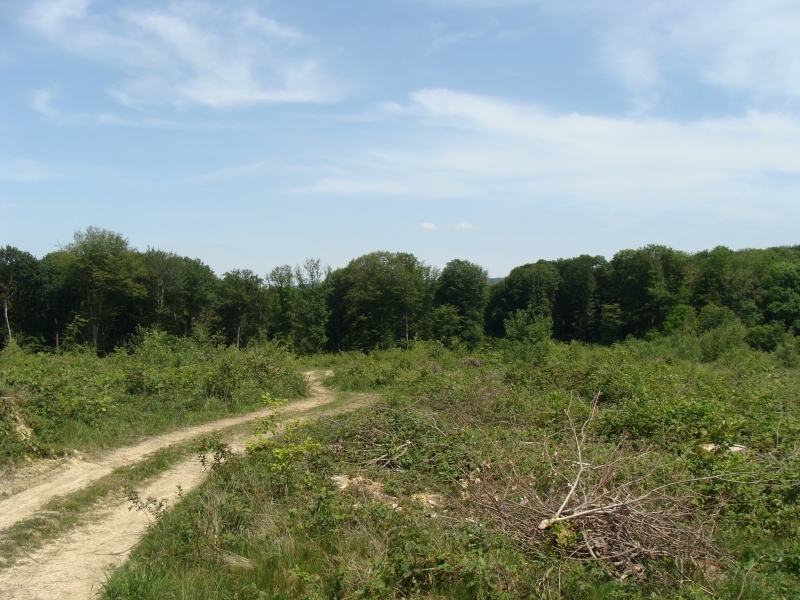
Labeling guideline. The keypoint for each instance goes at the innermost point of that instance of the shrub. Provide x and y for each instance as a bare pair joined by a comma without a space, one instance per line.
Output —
158,382
714,343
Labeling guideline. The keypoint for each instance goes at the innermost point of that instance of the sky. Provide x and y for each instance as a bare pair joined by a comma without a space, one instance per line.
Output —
254,134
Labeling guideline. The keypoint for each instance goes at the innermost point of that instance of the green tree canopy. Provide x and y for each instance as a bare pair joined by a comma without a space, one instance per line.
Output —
532,286
241,306
462,285
380,299
106,274
21,290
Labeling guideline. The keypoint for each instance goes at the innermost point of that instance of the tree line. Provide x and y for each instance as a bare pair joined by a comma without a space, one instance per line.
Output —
98,291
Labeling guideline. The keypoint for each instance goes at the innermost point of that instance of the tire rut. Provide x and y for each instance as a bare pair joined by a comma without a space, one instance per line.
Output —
78,475
74,566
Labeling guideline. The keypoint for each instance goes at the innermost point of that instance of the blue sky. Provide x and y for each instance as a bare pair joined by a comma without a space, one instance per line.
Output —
252,134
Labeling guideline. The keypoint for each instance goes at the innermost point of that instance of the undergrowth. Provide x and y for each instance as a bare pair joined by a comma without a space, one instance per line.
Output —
77,400
458,484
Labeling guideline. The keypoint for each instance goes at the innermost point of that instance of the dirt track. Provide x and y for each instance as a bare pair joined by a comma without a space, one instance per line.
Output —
75,565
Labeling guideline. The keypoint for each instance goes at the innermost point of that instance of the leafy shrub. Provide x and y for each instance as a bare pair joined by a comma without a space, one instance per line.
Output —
714,343
712,316
765,337
528,337
162,379
787,351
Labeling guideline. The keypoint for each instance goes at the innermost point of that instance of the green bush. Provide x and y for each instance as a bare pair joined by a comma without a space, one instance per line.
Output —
787,351
712,316
765,337
716,342
159,382
491,426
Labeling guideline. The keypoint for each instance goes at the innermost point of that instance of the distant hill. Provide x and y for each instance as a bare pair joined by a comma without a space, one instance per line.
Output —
494,280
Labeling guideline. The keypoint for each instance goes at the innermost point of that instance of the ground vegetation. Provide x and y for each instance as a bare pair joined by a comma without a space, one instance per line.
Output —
629,472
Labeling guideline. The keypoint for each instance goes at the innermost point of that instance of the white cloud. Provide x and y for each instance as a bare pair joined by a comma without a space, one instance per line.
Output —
464,225
444,40
187,53
749,45
23,170
427,225
42,102
742,45
461,145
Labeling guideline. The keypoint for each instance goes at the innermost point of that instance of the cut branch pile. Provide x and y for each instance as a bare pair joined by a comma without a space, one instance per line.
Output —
610,505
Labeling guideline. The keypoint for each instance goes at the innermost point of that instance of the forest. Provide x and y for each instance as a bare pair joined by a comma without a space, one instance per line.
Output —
98,291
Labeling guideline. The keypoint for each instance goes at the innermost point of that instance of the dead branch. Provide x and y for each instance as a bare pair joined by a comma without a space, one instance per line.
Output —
616,510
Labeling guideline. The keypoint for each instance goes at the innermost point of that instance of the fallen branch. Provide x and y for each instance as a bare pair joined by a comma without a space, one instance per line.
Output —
617,510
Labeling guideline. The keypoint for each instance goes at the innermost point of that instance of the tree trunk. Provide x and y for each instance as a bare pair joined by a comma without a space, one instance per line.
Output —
238,329
5,314
406,330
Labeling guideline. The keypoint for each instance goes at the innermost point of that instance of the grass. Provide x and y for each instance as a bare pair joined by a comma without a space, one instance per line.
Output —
417,495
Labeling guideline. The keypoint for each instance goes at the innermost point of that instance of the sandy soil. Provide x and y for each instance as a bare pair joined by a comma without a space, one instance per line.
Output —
76,473
74,566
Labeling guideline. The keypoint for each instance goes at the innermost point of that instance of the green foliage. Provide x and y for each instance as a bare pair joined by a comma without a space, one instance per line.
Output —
161,381
644,283
576,301
311,307
21,291
681,319
716,342
461,286
528,337
699,360
104,273
101,289
281,302
241,306
782,298
380,300
445,324
713,317
765,337
380,503
531,286
787,351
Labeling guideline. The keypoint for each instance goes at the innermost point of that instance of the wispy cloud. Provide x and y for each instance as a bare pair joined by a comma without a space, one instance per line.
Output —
463,145
741,45
187,53
427,225
24,170
443,40
43,102
464,225
738,44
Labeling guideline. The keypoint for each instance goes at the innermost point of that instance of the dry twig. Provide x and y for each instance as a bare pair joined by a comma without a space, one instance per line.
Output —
616,511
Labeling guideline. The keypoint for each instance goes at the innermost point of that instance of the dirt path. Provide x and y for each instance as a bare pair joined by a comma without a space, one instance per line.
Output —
78,474
74,566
